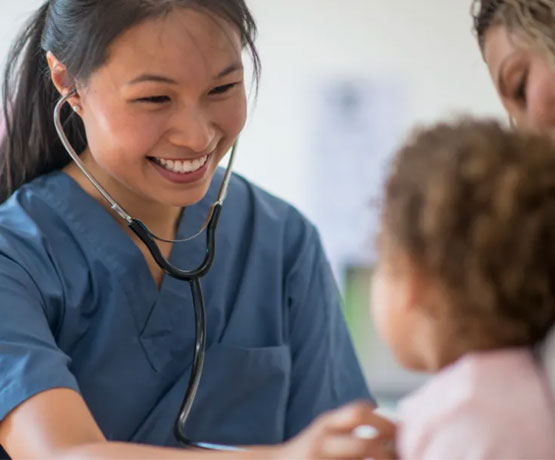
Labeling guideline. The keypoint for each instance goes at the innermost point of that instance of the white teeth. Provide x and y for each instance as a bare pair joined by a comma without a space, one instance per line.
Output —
182,166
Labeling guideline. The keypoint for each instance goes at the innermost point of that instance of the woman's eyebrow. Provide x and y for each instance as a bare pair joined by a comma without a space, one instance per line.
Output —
147,77
230,69
152,77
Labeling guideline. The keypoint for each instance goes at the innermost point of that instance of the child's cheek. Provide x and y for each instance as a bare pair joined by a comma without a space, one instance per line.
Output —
378,303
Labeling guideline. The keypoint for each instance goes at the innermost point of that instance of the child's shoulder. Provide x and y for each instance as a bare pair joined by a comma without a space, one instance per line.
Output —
481,381
490,401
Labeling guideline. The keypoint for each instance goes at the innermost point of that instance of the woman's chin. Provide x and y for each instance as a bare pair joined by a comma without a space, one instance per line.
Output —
187,197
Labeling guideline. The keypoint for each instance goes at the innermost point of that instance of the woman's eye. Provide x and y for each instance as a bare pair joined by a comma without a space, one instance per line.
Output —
222,89
153,99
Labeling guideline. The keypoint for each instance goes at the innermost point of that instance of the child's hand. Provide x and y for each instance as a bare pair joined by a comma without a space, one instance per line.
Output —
332,436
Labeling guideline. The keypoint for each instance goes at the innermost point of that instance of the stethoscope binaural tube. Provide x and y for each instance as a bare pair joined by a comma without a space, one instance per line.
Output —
191,276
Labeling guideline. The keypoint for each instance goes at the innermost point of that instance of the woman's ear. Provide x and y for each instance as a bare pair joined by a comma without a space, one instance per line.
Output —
62,81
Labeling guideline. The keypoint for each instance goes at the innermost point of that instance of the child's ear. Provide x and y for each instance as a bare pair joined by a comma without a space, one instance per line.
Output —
416,286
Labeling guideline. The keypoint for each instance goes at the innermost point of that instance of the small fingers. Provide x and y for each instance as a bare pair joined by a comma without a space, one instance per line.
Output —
348,447
348,418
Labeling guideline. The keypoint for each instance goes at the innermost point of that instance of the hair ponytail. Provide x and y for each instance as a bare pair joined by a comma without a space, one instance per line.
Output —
30,145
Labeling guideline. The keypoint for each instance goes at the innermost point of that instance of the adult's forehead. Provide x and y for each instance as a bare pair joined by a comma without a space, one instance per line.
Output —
497,46
177,38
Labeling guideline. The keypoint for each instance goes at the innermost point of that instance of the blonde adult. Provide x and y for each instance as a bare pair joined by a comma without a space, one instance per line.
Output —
517,39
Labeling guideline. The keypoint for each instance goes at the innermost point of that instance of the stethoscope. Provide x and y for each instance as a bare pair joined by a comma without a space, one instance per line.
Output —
192,276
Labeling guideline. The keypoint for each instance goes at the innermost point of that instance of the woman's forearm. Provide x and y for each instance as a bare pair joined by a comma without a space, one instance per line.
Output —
120,450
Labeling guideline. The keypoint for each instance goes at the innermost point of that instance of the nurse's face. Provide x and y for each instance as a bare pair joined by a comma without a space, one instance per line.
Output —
524,80
166,106
393,305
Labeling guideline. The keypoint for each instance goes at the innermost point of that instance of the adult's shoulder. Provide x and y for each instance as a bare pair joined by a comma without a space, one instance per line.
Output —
32,227
253,201
35,206
269,222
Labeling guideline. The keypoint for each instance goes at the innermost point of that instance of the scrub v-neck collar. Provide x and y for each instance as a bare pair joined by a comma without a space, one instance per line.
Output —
105,236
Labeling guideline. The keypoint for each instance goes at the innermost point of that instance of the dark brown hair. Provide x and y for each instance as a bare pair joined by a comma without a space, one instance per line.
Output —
473,205
79,33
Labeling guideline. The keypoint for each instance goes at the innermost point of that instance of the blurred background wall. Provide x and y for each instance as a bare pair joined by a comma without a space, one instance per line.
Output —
343,82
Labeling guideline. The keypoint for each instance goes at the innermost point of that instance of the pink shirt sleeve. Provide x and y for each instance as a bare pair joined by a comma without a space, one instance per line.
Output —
491,405
464,436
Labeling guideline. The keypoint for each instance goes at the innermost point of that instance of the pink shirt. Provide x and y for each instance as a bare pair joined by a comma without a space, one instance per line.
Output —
491,405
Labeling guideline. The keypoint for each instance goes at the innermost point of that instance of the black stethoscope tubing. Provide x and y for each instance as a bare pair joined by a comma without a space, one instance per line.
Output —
191,276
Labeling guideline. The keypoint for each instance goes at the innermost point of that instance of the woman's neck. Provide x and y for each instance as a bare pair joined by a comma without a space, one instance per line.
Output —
160,219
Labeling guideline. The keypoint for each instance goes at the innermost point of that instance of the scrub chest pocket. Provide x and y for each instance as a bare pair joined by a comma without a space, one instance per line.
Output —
244,391
251,395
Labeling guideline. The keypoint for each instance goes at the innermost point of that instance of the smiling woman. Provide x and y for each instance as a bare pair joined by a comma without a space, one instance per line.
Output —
95,340
188,115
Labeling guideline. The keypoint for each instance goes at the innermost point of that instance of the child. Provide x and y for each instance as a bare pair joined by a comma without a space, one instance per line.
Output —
465,288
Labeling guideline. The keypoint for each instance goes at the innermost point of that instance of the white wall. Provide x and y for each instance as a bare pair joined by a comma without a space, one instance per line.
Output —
12,15
427,43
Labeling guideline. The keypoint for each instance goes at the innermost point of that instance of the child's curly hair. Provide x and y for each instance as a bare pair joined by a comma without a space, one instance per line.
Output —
473,205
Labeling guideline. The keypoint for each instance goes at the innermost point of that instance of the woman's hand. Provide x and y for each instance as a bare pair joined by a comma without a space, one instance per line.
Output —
334,435
57,424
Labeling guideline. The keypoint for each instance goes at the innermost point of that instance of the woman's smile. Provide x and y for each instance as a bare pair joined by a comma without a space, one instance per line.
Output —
182,170
182,111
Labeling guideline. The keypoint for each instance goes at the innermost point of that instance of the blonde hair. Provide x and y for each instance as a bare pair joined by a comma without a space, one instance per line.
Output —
533,19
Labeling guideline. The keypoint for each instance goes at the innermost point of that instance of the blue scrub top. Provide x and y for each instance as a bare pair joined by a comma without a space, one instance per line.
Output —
81,310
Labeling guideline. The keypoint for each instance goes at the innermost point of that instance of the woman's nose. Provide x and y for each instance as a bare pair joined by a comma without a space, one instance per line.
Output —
194,130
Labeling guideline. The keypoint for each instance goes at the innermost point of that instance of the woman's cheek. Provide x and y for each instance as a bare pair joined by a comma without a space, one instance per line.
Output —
135,136
232,116
230,120
541,105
